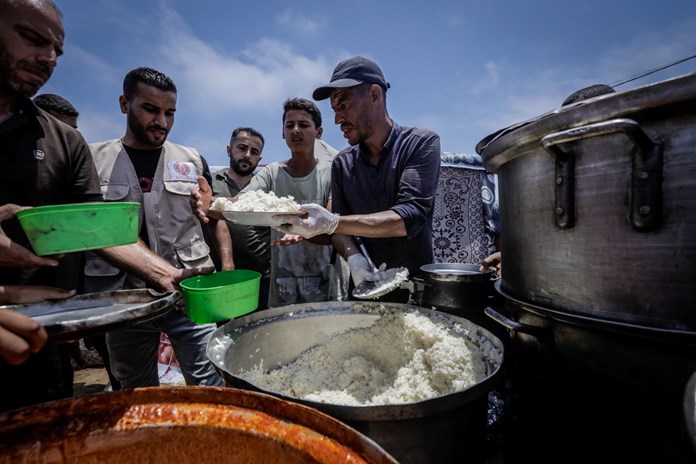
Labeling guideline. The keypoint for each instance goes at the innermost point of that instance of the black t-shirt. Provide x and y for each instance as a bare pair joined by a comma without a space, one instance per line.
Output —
145,164
44,162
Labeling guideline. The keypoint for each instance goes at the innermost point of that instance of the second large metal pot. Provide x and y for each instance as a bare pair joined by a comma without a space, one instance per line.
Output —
456,288
578,385
598,206
448,428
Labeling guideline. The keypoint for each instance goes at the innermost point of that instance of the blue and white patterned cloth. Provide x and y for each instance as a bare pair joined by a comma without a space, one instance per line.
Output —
467,160
466,219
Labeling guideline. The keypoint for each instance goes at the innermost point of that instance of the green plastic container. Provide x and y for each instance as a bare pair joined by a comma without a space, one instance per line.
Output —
221,295
66,228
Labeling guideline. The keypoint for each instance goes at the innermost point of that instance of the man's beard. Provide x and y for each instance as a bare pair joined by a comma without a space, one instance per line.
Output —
10,83
141,134
242,171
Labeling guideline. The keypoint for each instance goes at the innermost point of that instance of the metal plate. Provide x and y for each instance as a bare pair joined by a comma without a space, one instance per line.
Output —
251,218
85,315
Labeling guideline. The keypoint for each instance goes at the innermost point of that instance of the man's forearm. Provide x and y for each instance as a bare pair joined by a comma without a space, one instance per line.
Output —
378,225
344,245
223,243
138,260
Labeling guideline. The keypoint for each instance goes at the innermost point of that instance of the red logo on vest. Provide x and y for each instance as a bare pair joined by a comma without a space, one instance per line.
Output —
182,168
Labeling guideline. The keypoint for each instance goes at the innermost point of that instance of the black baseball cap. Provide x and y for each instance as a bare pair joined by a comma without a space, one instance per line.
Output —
351,72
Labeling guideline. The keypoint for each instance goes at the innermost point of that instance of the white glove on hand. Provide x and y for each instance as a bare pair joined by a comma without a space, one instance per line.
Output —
319,221
360,269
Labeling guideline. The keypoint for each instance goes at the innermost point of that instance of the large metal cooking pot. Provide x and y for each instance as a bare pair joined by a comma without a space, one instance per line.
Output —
690,408
456,288
577,380
181,424
598,206
449,428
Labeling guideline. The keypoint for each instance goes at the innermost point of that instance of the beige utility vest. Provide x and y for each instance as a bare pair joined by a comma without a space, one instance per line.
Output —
173,230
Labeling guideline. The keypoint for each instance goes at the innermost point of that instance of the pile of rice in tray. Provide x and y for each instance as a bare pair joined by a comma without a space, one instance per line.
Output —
401,358
257,201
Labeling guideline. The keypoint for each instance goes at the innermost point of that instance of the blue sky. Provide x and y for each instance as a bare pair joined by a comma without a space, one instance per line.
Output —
463,68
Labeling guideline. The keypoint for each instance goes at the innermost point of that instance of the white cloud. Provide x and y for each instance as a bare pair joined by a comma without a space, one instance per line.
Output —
91,64
645,52
504,95
218,82
97,126
298,22
492,74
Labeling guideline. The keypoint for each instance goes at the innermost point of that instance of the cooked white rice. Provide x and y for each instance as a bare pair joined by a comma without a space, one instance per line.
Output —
257,201
401,358
388,280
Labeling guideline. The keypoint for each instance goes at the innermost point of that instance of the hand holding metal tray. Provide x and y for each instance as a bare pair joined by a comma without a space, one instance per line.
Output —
92,313
371,289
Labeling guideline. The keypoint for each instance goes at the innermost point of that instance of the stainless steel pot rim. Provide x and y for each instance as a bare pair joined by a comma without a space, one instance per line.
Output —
365,413
453,268
462,271
602,324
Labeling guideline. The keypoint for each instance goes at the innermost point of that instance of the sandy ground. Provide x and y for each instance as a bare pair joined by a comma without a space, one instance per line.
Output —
90,380
91,376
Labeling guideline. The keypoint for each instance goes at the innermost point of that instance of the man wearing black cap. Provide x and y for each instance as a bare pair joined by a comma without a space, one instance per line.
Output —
383,185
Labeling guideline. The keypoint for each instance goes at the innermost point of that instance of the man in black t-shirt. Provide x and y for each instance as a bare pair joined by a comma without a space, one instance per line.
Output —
46,162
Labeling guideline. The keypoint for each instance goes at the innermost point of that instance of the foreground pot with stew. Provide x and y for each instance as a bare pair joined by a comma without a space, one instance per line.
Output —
183,425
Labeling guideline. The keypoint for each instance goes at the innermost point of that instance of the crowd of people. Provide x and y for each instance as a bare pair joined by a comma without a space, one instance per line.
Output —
380,188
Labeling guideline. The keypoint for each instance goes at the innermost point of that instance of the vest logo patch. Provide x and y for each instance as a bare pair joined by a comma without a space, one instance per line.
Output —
39,154
182,170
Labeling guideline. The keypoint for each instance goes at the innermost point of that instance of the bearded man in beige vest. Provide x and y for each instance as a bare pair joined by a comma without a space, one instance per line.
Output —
144,167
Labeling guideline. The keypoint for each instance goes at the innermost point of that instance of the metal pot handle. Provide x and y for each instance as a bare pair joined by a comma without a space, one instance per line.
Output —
646,173
513,325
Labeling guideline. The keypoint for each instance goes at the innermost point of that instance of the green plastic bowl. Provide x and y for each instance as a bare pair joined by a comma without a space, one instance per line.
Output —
59,229
221,295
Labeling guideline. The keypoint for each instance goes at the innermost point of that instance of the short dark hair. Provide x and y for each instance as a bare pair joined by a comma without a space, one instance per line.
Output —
6,5
304,105
55,103
250,131
147,76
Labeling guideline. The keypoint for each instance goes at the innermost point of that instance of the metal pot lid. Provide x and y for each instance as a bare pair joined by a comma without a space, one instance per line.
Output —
91,313
459,272
516,140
